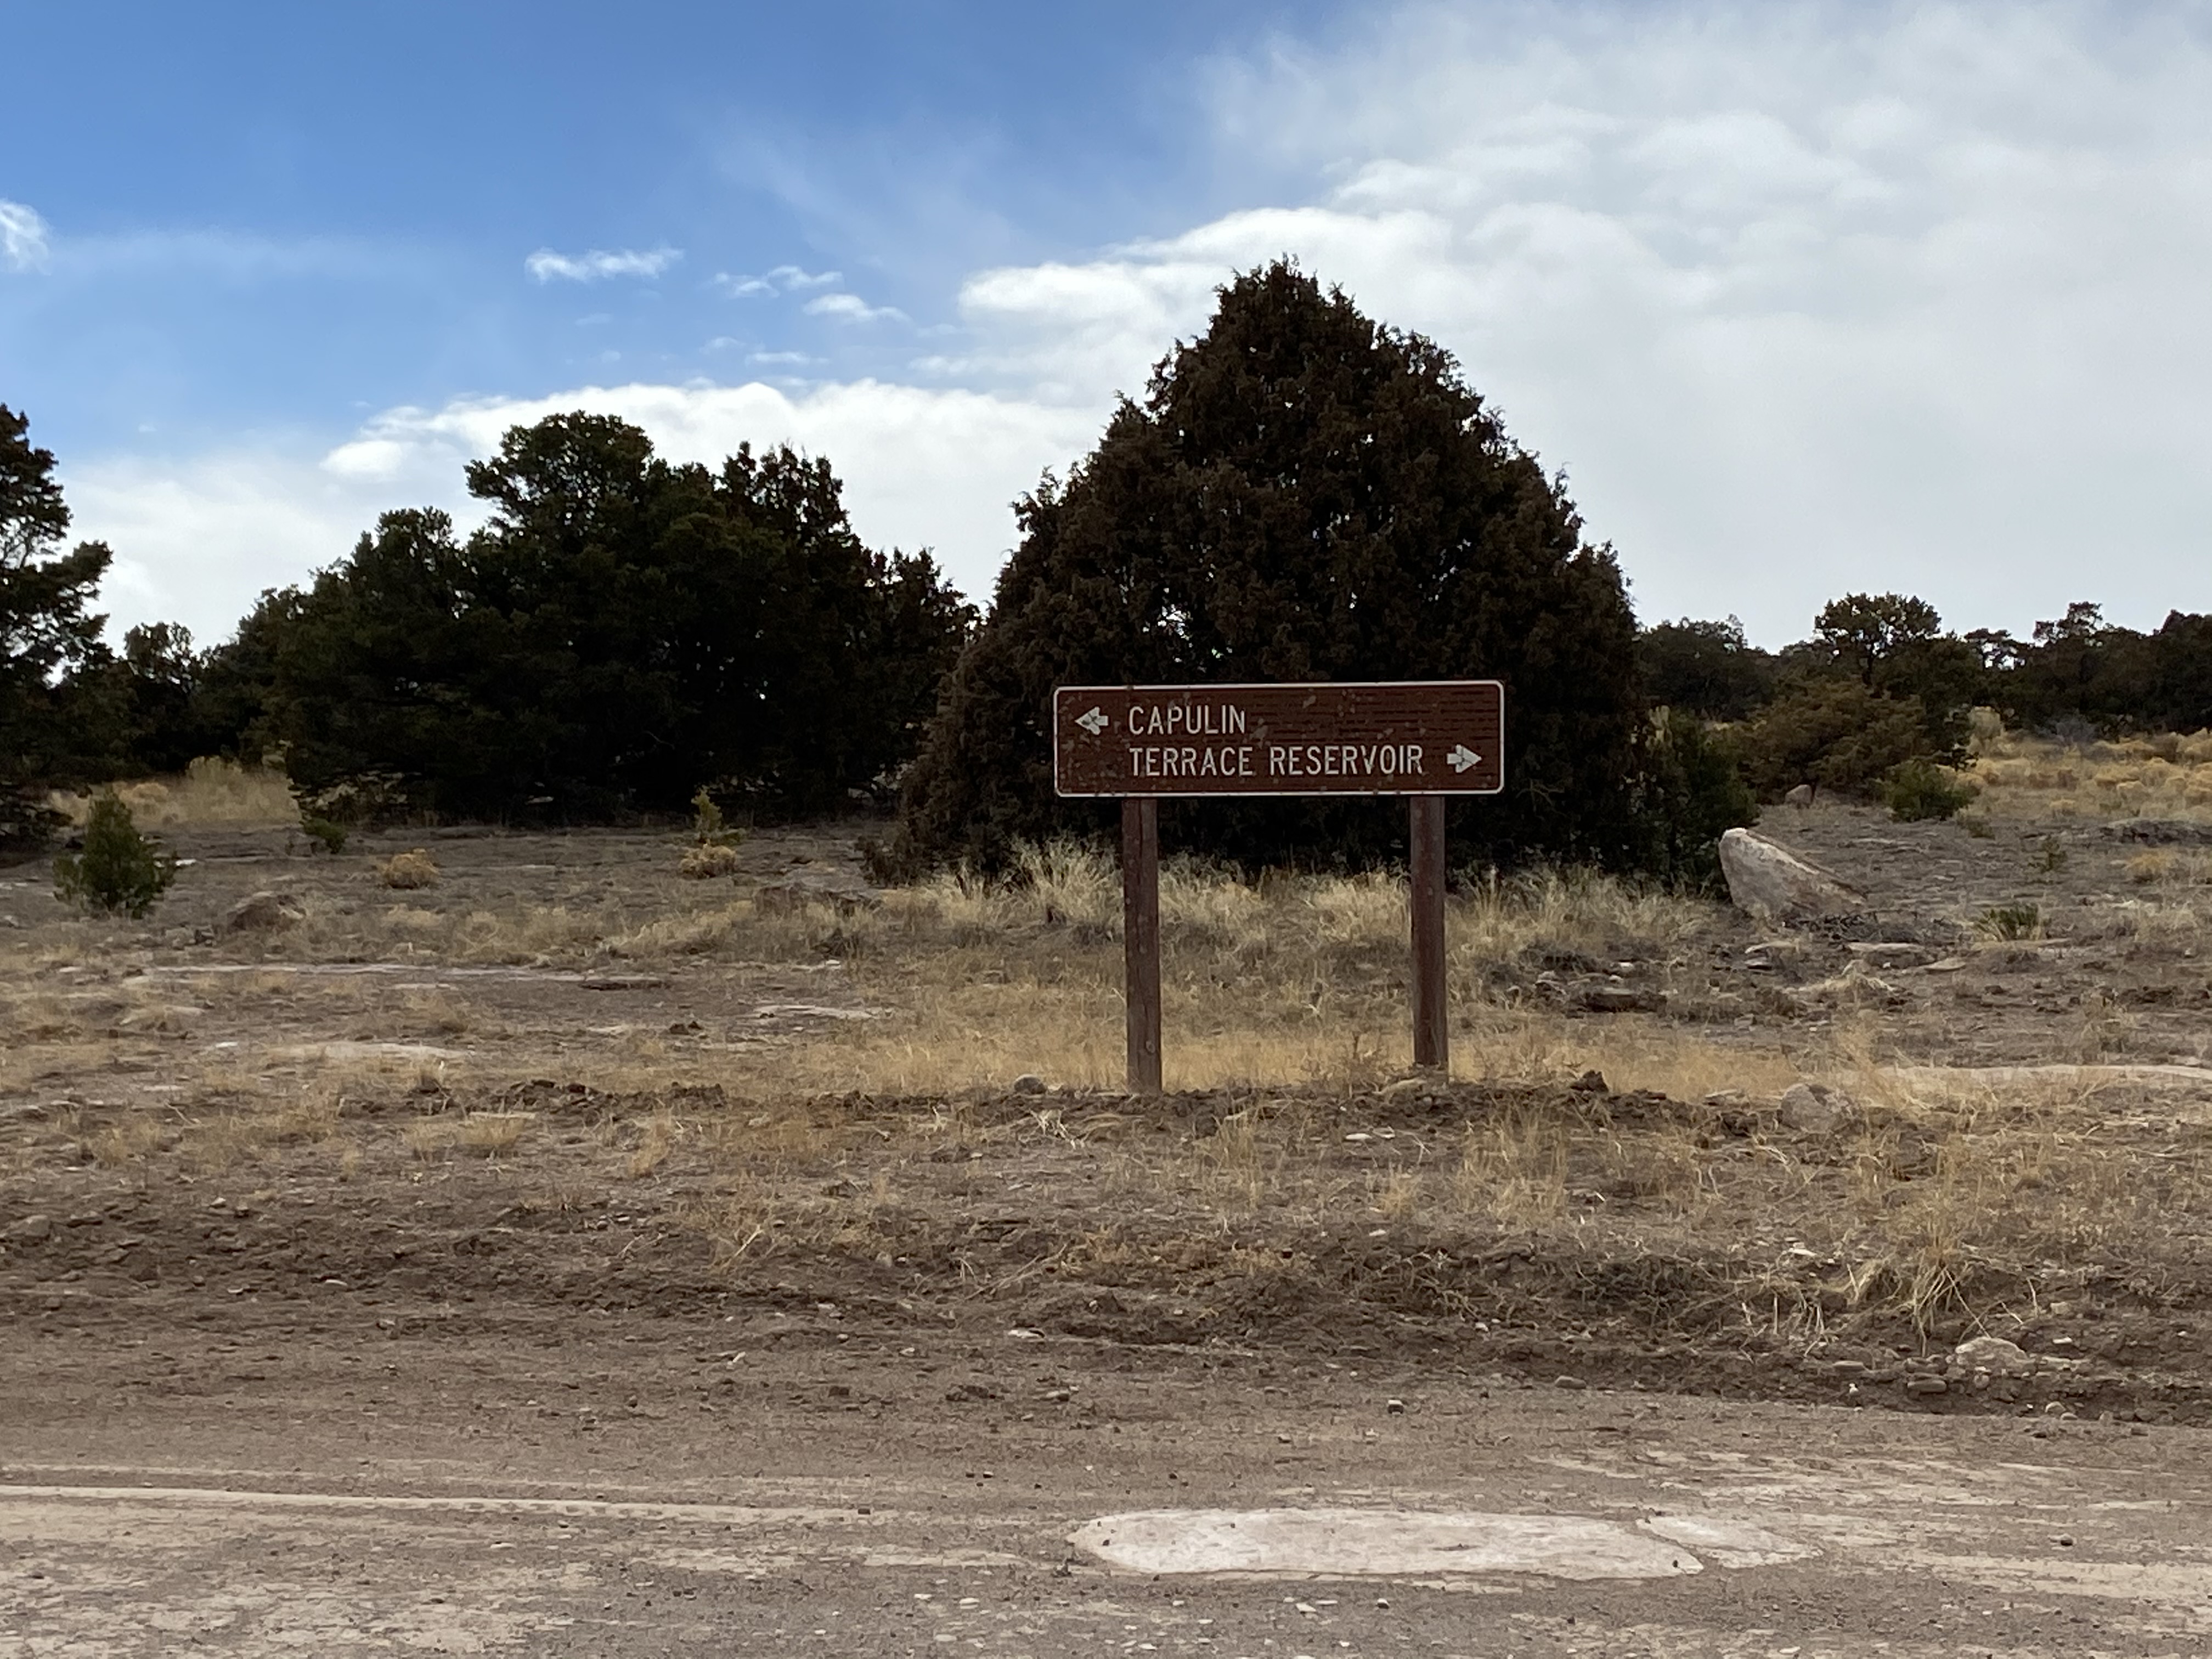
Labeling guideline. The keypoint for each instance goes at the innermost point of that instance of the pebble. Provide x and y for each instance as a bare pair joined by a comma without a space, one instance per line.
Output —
1395,1407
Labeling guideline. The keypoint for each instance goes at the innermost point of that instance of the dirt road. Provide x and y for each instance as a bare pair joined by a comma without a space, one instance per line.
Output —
632,1485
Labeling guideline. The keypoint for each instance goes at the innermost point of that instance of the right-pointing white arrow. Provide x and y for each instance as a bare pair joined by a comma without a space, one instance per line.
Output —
1462,757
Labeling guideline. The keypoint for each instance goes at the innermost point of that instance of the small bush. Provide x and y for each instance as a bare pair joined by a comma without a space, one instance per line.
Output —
2010,921
1919,789
709,827
412,869
329,833
1836,734
708,861
120,871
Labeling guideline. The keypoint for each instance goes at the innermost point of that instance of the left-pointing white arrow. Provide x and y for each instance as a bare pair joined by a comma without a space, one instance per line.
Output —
1461,758
1094,723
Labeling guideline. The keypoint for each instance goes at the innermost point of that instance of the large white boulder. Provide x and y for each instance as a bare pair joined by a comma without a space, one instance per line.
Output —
1775,885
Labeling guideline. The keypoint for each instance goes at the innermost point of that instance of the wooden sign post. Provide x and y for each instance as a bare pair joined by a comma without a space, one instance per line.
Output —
1421,739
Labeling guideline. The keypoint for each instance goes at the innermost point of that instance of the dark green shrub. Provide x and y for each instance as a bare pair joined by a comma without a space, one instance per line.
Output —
1693,790
120,871
1302,493
1834,732
1920,789
329,833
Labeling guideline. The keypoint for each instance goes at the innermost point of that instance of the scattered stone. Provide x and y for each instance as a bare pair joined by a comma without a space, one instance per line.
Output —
1927,1385
31,1229
1892,954
1590,1083
622,983
1568,1382
1768,955
1394,1407
1614,1000
1949,965
1800,795
1814,1109
1028,1083
1995,1355
2162,832
264,912
1774,884
28,1111
962,1394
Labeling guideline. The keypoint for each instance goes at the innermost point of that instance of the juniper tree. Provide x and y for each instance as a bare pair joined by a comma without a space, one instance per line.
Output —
1301,493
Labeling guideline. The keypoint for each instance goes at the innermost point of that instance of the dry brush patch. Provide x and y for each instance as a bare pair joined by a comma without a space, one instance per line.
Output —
2168,776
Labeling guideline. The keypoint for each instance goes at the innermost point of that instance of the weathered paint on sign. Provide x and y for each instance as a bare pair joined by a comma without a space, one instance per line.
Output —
1325,737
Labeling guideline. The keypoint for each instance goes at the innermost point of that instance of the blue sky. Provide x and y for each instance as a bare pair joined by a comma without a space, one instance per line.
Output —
1803,298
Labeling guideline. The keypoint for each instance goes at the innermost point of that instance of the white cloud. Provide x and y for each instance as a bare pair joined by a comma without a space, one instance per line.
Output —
197,538
784,279
852,308
545,266
1807,298
23,237
792,279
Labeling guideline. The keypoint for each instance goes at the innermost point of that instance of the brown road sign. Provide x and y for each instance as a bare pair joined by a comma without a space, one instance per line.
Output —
1327,737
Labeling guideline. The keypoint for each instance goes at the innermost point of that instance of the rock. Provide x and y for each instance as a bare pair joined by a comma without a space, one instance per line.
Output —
1799,796
1590,1083
28,1112
31,1229
799,888
1394,1407
1028,1083
1814,1109
1927,1385
264,912
1769,954
622,983
1892,954
1613,999
1775,885
1995,1355
2162,832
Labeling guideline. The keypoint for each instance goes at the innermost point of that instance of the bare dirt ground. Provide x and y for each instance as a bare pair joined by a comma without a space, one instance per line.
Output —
568,1257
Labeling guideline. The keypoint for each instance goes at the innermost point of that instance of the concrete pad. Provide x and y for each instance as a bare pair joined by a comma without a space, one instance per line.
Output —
1393,1543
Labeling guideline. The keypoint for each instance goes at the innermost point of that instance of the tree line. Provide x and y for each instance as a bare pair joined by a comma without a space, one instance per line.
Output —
1301,492
1880,682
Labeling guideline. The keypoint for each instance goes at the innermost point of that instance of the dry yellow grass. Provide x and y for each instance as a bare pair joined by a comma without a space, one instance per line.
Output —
476,1135
2022,777
408,871
212,790
707,861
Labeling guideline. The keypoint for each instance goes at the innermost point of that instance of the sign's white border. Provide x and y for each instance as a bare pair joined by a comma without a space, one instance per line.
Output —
1060,691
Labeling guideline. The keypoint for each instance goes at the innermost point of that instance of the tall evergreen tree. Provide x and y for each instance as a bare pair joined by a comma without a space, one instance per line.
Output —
620,633
1302,494
54,723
